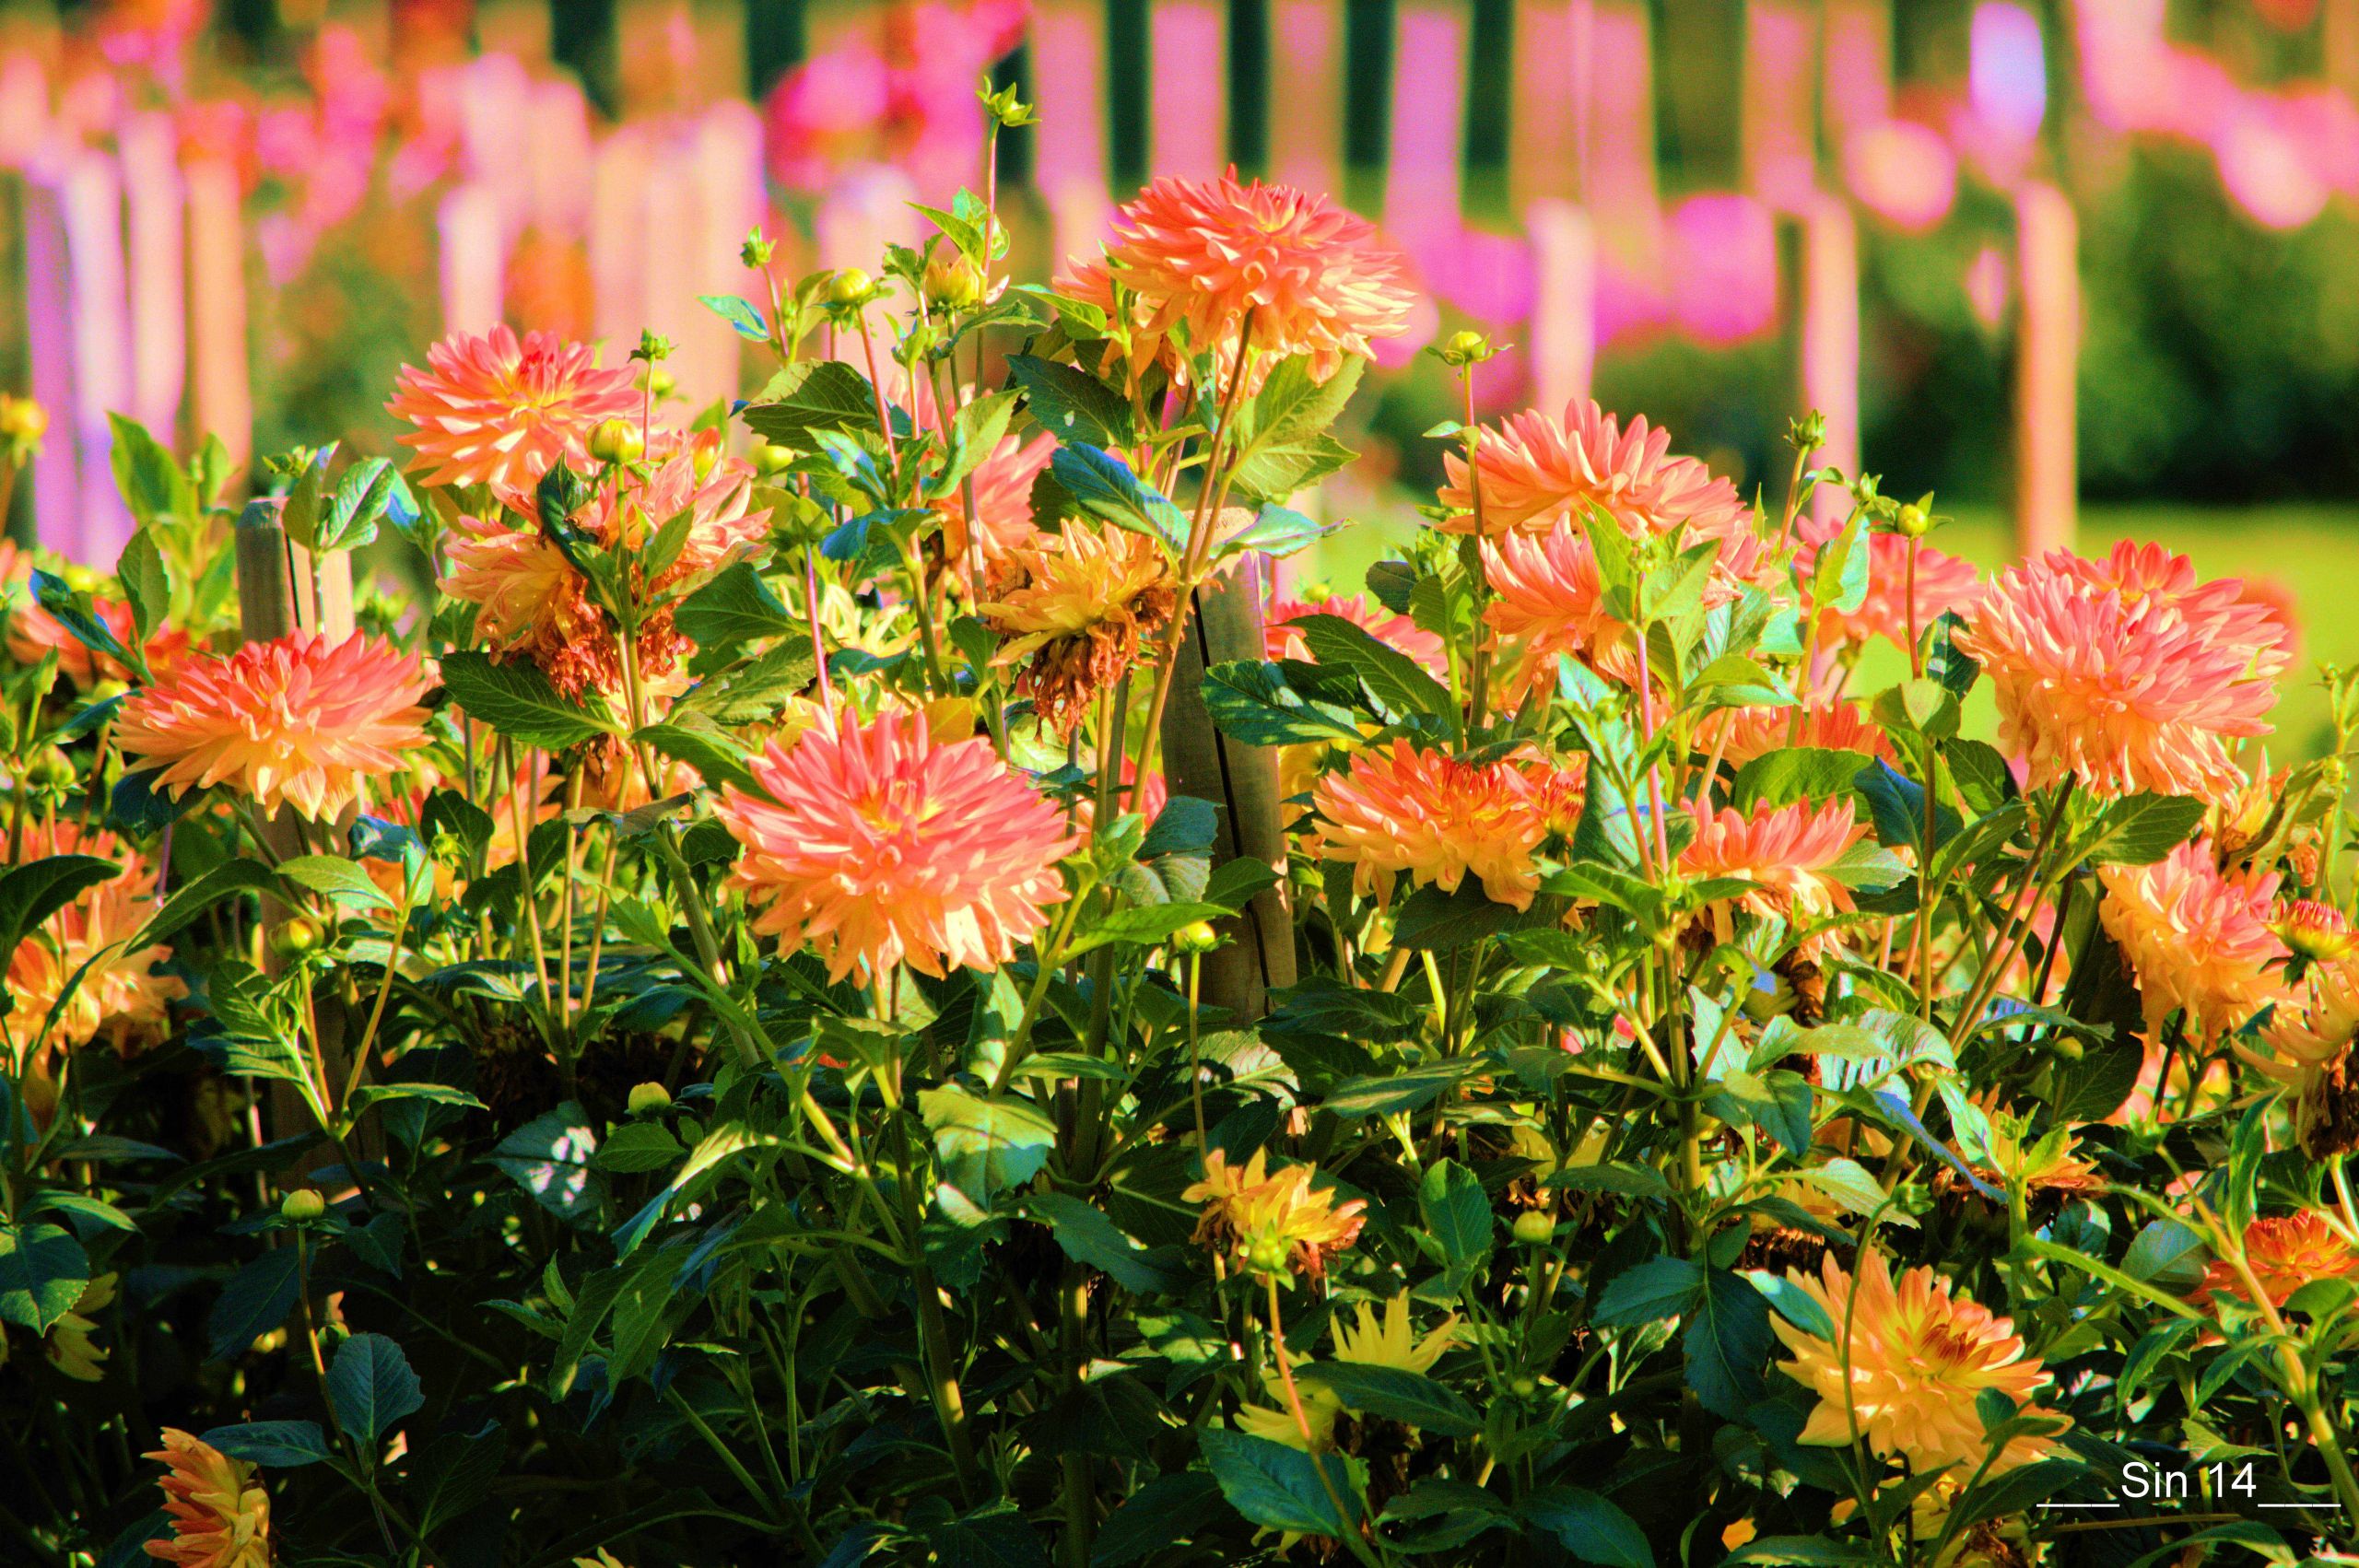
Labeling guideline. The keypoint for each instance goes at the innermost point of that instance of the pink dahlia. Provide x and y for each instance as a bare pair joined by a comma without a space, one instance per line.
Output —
2196,938
2126,673
881,846
1789,852
1944,583
1398,632
1538,472
491,410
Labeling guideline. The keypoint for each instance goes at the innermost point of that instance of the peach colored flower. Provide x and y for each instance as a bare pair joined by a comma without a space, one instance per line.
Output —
1079,605
491,410
1206,255
1539,472
1002,501
1270,1220
297,720
33,633
2284,1253
220,1514
1919,1357
117,997
1829,723
1280,641
534,603
2196,938
2125,673
1788,851
2306,1048
1944,583
881,846
2319,932
1438,819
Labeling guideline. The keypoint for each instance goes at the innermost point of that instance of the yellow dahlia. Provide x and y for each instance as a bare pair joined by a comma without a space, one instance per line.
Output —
880,845
1373,1338
70,1347
1079,605
1788,852
1273,1220
1438,819
220,1514
2284,1253
2126,673
1538,472
1918,1358
2197,938
1206,255
492,410
298,720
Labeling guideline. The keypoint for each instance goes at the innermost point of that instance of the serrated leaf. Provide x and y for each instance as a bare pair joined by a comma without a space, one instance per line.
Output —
372,1386
1395,1393
1072,405
42,1271
810,397
1103,486
516,699
1277,1487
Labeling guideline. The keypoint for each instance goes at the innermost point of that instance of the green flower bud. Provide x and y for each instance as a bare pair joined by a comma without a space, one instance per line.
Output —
849,286
953,283
1533,1227
296,938
1196,936
303,1203
616,440
649,1099
770,458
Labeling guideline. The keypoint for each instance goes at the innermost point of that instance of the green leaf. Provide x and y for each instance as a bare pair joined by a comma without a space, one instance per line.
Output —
42,1271
2140,829
299,515
371,490
1397,682
975,433
149,477
1432,921
986,1145
1794,772
1169,1508
1457,1213
1145,925
224,881
1804,1551
1277,532
516,699
1726,1344
1395,1393
256,1300
809,397
1839,573
550,1158
336,878
1289,446
1277,1487
277,1444
372,1388
1408,1091
146,584
639,1146
739,315
756,690
75,612
1588,1526
1072,405
1252,702
31,893
1103,486
738,604
1089,1237
711,752
1649,1292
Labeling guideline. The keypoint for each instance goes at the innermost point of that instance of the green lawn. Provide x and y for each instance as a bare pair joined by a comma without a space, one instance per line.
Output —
2313,551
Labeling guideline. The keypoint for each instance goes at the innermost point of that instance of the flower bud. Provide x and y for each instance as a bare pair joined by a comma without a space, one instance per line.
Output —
303,1203
704,459
1533,1227
1912,521
80,578
296,938
770,458
757,251
954,283
616,440
849,286
22,420
2319,932
51,771
649,1099
1196,936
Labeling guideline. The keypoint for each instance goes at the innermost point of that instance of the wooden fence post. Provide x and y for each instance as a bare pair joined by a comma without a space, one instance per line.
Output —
1241,782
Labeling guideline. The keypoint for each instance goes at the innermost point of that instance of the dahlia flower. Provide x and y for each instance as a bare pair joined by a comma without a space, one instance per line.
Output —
1944,583
2125,673
220,1514
1272,1221
2284,1253
1002,483
1079,605
119,997
2197,938
34,633
1788,851
2319,932
1918,1358
297,720
532,600
1207,256
880,845
1397,632
1372,1339
491,410
1406,810
1828,723
1538,472
2306,1048
70,1346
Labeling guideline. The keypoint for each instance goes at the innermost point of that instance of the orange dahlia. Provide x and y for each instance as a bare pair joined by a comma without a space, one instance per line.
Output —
1828,723
881,846
1944,583
1273,1221
1538,472
1002,499
2197,938
119,997
2284,1253
532,599
1918,1356
220,1514
1079,605
1398,632
1206,255
491,410
1788,852
2125,673
297,719
1438,819
34,633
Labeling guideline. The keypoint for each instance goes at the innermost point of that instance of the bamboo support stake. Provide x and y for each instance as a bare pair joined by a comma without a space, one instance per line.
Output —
1241,782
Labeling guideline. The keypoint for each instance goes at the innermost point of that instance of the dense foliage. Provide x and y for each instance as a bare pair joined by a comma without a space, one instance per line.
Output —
710,1038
